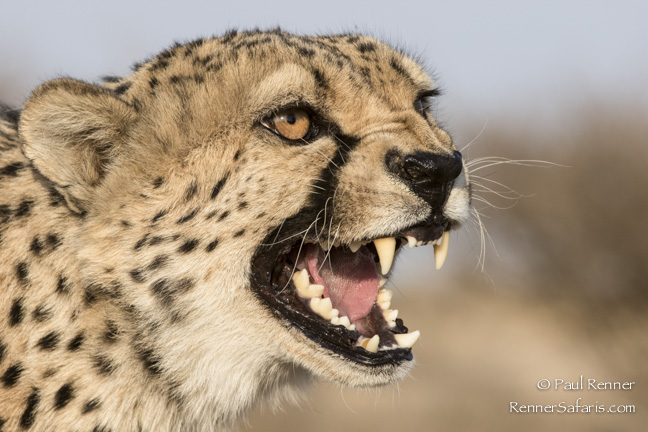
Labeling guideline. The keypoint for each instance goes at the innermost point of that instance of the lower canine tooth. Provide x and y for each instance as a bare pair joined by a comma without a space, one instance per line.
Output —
407,340
441,250
385,248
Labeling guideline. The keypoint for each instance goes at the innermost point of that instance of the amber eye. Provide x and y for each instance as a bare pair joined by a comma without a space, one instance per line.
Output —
292,124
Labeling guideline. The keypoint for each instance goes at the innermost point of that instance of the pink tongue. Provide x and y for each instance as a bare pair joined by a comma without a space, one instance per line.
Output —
349,279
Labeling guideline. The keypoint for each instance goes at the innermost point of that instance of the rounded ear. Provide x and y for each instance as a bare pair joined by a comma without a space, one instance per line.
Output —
71,132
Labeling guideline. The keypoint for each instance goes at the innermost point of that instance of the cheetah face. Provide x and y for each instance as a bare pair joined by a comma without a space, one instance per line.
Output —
276,176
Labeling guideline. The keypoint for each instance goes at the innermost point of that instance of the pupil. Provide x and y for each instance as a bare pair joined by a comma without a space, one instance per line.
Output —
291,118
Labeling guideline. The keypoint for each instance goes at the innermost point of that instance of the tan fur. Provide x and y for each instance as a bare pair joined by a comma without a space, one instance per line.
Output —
115,243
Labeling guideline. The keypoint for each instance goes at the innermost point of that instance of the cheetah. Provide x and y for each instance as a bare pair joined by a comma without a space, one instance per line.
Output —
215,230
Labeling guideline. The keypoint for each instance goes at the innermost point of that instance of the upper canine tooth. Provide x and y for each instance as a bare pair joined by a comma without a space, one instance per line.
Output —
411,241
354,246
385,248
441,250
407,340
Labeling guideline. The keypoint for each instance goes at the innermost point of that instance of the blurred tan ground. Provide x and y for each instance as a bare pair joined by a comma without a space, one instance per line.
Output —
566,297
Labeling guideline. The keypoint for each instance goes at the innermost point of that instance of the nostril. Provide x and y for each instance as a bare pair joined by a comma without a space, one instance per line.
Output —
438,169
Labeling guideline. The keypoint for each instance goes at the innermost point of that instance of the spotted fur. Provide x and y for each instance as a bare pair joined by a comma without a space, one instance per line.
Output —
130,212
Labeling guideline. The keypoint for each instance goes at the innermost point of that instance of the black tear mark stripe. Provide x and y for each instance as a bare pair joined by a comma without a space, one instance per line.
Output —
12,375
29,415
63,396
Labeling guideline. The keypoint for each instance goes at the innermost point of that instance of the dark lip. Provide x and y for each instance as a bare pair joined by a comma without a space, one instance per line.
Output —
271,282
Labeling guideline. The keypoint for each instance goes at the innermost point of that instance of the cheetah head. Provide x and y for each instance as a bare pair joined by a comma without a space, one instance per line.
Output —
248,195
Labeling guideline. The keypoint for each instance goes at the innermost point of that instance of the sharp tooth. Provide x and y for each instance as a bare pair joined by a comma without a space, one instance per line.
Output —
384,297
441,250
301,281
323,307
381,282
407,340
335,313
411,241
352,327
385,248
390,315
354,246
344,320
371,345
337,243
315,290
325,244
335,320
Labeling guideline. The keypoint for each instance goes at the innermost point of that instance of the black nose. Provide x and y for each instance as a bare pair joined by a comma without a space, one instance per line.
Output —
429,175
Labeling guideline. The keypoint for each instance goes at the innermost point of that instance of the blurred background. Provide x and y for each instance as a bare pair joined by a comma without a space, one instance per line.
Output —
552,282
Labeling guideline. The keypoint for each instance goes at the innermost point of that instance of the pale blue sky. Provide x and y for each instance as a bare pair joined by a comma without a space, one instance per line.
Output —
492,58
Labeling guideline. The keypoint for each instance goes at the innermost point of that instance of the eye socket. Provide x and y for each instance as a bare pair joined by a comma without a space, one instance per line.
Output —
291,123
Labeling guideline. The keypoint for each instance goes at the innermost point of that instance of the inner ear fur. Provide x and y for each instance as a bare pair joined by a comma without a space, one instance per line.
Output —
72,132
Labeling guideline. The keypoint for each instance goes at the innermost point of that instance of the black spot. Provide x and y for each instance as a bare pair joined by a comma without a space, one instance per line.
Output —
2,423
223,215
99,428
36,247
191,191
137,276
92,293
158,216
150,360
218,187
90,405
156,240
53,241
320,80
112,332
63,396
227,37
22,272
175,79
125,224
12,375
188,246
141,242
111,79
211,214
123,88
103,364
24,208
211,246
187,217
56,199
5,213
159,262
50,373
62,287
237,155
76,342
49,342
239,233
153,82
306,52
242,205
366,47
166,290
17,312
41,313
3,350
11,170
29,415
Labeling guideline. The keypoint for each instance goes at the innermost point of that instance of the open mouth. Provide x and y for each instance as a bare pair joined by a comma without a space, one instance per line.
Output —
334,292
